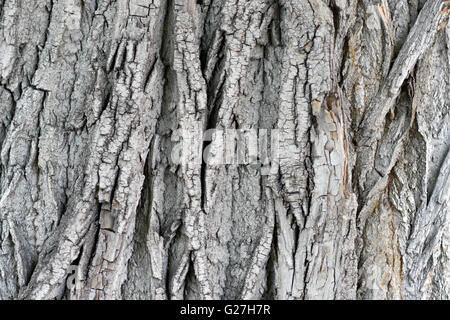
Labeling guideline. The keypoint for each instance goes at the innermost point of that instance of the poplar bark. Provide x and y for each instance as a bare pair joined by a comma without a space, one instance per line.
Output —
94,95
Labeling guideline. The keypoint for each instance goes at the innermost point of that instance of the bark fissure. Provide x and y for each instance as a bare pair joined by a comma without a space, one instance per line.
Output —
344,103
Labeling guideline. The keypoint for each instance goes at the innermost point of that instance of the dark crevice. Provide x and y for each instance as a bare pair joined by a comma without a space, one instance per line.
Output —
150,71
336,17
95,240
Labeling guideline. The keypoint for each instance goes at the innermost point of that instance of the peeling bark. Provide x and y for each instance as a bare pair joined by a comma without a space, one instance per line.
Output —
96,97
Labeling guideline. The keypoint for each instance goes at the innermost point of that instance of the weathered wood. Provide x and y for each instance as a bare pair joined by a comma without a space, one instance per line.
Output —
97,98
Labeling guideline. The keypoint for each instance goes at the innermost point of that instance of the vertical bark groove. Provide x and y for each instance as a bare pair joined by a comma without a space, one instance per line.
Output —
324,126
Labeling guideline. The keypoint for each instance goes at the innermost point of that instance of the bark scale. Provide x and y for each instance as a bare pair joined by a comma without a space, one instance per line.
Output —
95,96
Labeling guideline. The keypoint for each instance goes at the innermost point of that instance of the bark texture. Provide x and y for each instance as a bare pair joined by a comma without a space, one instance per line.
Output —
95,96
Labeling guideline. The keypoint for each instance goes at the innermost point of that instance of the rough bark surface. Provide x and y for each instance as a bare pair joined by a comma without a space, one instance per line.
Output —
97,95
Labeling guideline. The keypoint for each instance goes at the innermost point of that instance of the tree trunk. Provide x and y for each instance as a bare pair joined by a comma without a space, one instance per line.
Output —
345,104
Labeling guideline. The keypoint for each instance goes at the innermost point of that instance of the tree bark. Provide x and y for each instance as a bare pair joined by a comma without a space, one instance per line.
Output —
96,97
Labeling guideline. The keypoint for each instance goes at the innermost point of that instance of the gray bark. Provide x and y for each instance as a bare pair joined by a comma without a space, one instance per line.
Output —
96,96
